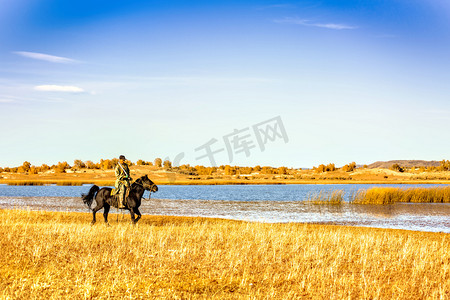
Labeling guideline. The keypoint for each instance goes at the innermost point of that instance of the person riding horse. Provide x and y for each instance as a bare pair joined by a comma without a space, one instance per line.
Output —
123,181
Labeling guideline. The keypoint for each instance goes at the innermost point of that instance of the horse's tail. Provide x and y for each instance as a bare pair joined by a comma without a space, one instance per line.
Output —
88,198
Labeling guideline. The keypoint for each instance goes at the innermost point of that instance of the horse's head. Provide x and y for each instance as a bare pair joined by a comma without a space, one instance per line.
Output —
148,184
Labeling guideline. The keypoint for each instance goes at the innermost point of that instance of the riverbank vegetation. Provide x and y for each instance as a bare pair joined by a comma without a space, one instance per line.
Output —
53,255
384,195
389,195
163,172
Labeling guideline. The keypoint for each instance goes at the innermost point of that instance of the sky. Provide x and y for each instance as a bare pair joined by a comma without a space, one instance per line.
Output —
279,83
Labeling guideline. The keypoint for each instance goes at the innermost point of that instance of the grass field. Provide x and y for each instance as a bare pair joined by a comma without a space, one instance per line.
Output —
48,255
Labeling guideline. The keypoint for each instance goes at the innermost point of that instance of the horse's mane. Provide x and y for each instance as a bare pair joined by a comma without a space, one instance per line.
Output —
138,181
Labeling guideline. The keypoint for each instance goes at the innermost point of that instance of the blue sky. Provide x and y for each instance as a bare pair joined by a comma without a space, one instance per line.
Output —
351,80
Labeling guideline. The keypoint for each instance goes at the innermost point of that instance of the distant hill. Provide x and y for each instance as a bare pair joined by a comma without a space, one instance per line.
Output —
404,163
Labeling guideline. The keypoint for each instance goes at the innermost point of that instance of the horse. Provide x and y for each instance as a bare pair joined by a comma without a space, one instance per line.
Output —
105,200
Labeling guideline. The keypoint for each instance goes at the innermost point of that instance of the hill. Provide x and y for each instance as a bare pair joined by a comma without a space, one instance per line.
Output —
404,163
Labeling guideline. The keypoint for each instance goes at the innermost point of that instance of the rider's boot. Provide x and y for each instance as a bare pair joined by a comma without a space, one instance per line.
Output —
120,200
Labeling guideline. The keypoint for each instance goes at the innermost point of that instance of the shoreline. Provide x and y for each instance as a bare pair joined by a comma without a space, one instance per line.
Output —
68,182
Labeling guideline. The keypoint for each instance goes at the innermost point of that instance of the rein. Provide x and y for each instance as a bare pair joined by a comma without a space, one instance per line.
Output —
150,189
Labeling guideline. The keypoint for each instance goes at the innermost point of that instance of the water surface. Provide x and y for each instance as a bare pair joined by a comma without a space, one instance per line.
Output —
263,203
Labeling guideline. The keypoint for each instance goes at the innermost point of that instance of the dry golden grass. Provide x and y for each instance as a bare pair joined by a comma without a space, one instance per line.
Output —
334,197
49,255
388,195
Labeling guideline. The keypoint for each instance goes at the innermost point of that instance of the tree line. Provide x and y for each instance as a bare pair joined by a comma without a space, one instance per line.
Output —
107,164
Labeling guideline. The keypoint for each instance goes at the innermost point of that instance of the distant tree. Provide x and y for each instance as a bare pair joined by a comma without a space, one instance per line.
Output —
1,170
158,162
90,165
349,167
321,168
44,168
25,167
330,167
201,170
282,170
77,163
33,170
229,170
257,169
115,161
167,164
140,162
106,164
268,170
245,170
61,167
431,169
445,165
396,167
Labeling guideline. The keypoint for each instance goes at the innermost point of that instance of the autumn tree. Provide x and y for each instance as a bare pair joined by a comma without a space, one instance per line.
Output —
445,165
229,170
268,170
25,167
396,167
90,165
33,170
61,167
321,168
77,163
245,170
349,167
282,170
167,164
106,164
158,162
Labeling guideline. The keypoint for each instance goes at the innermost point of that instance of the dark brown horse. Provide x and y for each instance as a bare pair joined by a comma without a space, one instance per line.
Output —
132,202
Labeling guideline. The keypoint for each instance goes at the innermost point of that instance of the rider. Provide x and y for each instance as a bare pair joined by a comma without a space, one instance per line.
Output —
123,180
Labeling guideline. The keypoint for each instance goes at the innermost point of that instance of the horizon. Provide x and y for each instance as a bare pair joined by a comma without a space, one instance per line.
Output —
135,162
246,83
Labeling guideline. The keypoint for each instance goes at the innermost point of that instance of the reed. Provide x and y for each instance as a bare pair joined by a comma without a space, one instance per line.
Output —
26,182
389,195
334,198
49,255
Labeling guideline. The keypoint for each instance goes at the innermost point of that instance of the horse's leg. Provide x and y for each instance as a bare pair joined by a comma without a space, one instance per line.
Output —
106,208
132,216
136,211
95,210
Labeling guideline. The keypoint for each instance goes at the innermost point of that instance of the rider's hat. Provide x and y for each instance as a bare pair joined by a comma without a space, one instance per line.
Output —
122,157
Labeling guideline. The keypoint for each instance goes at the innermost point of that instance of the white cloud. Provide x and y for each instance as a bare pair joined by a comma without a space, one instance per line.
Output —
46,57
305,22
6,100
59,88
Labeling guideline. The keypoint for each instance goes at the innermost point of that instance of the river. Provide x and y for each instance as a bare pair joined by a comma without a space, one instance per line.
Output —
262,203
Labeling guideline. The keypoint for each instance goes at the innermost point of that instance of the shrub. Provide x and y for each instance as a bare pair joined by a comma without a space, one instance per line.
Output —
158,162
61,167
349,167
167,164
